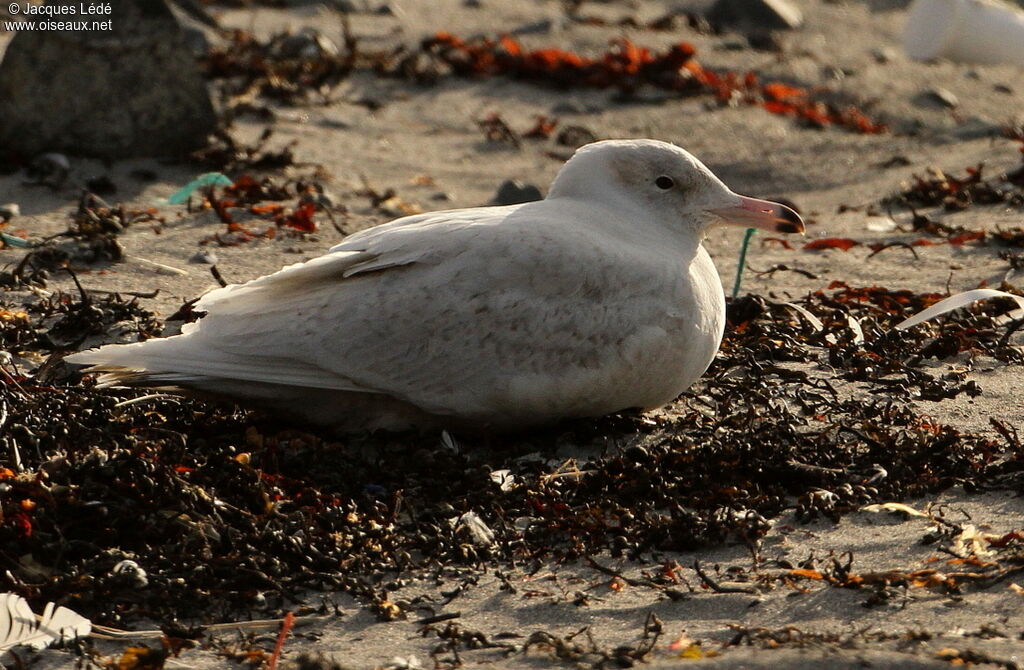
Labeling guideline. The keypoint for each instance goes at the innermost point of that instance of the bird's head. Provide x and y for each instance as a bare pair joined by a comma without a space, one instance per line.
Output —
664,178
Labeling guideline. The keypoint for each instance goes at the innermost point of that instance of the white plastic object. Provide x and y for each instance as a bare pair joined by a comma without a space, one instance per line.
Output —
965,31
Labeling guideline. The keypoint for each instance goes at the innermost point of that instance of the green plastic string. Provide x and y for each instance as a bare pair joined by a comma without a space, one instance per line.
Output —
181,196
742,263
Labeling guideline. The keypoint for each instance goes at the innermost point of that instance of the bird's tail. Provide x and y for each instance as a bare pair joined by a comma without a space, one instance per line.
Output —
150,363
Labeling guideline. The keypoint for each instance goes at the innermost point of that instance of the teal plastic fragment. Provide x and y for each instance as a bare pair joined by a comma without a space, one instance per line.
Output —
180,196
741,263
12,241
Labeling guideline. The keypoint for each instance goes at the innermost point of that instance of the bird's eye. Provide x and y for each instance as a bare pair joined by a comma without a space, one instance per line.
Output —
664,183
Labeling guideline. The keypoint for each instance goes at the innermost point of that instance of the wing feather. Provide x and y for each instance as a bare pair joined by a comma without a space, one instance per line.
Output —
457,312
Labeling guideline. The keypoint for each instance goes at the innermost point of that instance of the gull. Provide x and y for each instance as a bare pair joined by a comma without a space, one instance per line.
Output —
596,299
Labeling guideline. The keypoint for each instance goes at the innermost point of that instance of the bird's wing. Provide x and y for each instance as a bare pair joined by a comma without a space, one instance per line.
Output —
423,238
452,314
293,327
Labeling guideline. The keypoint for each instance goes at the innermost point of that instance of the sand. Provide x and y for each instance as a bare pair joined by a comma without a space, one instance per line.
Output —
425,143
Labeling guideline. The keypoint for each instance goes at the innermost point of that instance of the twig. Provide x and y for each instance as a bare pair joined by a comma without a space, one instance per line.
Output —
159,267
615,573
670,593
107,633
86,300
135,294
151,396
216,275
718,588
890,245
782,267
286,626
426,621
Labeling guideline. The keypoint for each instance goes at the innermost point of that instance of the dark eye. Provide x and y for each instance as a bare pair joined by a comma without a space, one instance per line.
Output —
664,183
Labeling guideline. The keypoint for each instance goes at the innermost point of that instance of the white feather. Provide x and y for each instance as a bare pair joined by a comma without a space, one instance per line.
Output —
571,306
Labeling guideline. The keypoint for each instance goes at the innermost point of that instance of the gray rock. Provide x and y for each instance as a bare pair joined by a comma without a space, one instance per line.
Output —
51,169
9,211
884,54
756,15
204,256
939,97
543,27
133,90
307,44
514,192
765,40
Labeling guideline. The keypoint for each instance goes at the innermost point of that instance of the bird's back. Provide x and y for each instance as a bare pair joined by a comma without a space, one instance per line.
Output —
506,317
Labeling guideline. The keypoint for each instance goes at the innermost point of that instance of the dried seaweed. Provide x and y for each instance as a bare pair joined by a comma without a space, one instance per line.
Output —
625,67
287,67
229,511
90,238
225,154
952,193
248,194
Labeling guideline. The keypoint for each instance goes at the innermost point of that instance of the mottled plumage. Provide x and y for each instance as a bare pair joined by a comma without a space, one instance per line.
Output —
596,299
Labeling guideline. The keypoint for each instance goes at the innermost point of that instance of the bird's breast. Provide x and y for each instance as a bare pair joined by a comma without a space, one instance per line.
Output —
671,353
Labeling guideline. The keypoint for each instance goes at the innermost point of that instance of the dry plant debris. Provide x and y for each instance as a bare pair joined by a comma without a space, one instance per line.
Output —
90,238
625,67
939,188
251,195
227,512
287,67
226,154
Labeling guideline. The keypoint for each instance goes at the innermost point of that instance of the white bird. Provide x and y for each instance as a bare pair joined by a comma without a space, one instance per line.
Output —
598,298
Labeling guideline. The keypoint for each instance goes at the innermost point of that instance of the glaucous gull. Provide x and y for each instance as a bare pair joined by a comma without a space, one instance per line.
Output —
596,299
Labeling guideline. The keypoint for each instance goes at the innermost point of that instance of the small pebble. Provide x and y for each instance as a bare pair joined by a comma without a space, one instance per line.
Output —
207,256
51,169
101,185
834,73
943,97
883,54
770,14
763,40
307,44
514,192
9,211
575,136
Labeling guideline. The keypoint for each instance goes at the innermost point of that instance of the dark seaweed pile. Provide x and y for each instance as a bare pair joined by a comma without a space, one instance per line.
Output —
229,512
953,193
287,68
